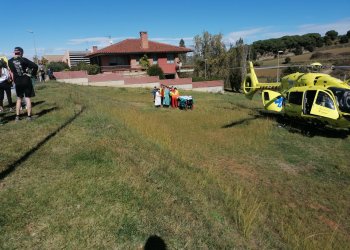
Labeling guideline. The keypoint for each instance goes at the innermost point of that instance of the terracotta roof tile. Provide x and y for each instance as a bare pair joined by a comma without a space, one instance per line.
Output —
129,46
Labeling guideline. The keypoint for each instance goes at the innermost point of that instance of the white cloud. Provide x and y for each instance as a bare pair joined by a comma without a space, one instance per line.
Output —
98,41
172,40
341,26
105,41
260,33
250,34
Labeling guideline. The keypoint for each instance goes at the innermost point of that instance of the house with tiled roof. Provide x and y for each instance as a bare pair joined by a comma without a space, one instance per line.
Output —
126,55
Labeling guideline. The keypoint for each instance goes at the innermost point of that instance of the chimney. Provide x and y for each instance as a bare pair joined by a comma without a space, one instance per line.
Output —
94,49
144,39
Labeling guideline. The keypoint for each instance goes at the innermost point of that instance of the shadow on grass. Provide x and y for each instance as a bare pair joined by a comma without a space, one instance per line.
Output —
154,242
12,167
294,125
9,118
37,103
242,121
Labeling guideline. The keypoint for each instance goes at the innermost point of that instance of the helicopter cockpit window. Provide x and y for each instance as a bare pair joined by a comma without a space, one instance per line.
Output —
323,99
266,96
343,98
295,98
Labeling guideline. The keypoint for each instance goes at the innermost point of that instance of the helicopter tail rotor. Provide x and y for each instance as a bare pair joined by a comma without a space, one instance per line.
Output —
250,84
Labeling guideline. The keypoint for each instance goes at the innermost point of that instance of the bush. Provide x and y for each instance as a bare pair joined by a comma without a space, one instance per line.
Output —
257,64
318,55
155,70
344,39
57,66
92,69
287,60
310,48
298,51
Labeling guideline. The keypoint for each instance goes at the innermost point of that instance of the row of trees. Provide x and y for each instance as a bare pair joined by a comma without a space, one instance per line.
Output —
297,43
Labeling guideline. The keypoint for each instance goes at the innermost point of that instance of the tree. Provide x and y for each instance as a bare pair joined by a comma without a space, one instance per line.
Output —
237,63
182,43
155,70
327,40
144,62
332,34
298,50
210,57
182,57
344,39
348,34
43,61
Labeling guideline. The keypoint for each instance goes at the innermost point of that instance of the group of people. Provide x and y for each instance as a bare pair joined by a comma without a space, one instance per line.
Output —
43,75
19,71
165,96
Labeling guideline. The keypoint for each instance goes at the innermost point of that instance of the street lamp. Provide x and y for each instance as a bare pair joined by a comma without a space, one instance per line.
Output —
205,68
36,54
278,63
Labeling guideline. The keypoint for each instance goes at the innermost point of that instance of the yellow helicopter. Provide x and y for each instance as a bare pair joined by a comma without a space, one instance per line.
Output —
310,98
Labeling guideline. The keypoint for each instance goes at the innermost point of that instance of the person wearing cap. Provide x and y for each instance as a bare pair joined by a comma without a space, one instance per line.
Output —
22,69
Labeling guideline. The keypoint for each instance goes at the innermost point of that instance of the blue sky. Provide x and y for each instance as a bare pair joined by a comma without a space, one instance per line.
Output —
58,26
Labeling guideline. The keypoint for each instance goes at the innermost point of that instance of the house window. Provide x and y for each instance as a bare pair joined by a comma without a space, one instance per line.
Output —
118,60
155,59
170,58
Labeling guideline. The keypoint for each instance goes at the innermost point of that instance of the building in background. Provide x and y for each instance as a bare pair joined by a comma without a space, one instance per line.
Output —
72,58
53,58
126,55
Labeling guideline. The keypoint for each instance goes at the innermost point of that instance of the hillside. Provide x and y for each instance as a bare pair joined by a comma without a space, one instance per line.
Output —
331,55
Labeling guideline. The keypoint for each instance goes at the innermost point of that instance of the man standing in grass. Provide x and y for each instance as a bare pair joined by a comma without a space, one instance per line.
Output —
22,69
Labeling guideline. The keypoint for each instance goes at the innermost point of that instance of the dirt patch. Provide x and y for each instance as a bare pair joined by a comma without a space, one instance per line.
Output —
237,169
288,168
317,206
332,224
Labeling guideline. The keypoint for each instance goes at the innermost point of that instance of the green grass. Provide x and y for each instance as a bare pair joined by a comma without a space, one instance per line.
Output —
215,177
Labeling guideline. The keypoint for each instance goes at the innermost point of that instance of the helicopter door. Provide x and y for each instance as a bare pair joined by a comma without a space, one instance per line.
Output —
324,106
309,98
272,100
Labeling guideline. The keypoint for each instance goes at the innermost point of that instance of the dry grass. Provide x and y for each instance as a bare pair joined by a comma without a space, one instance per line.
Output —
216,177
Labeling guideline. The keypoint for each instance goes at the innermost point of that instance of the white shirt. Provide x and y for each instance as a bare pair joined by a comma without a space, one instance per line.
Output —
4,75
158,100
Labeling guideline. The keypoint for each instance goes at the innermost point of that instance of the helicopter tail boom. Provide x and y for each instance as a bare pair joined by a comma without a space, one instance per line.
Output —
251,84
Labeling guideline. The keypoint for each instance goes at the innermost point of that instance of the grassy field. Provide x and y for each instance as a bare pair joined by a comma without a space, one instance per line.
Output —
102,168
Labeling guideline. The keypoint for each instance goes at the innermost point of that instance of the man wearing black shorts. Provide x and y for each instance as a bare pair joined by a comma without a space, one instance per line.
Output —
22,69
